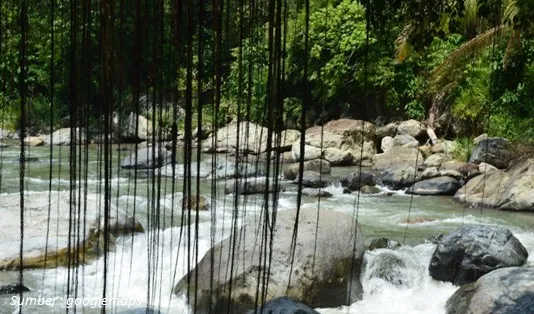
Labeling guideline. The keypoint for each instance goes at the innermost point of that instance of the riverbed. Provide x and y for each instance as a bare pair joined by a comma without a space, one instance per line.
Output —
159,257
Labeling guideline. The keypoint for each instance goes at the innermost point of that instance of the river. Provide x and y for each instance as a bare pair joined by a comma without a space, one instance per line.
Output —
381,215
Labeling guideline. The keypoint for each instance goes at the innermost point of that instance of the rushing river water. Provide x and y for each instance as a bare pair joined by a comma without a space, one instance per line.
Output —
382,215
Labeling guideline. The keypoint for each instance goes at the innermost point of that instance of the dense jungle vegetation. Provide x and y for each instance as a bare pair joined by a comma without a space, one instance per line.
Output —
464,66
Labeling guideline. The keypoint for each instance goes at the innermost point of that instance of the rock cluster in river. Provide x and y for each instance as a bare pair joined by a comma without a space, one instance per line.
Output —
403,155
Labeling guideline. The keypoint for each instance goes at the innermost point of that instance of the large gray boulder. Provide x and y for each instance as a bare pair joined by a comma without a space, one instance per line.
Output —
327,283
495,151
318,165
146,158
399,177
511,190
503,291
468,253
398,156
57,252
435,186
355,180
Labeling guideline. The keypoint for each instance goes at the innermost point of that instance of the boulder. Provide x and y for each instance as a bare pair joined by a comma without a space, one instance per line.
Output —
356,180
195,202
480,138
398,156
412,127
467,253
382,243
353,136
310,152
451,173
64,137
399,177
133,127
386,143
503,291
250,186
369,189
14,288
429,173
34,141
312,179
389,267
405,140
315,192
284,305
327,283
435,186
426,150
338,157
146,158
317,165
485,167
287,138
387,130
496,151
8,135
434,161
443,147
252,139
511,190
87,246
464,168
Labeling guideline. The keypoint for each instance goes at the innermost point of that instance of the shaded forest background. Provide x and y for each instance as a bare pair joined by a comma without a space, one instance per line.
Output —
464,66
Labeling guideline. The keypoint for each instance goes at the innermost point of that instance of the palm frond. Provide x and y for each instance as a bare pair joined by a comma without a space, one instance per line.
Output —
510,12
455,61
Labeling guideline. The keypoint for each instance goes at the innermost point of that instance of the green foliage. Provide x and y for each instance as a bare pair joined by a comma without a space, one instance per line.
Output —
337,37
463,147
473,96
245,95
